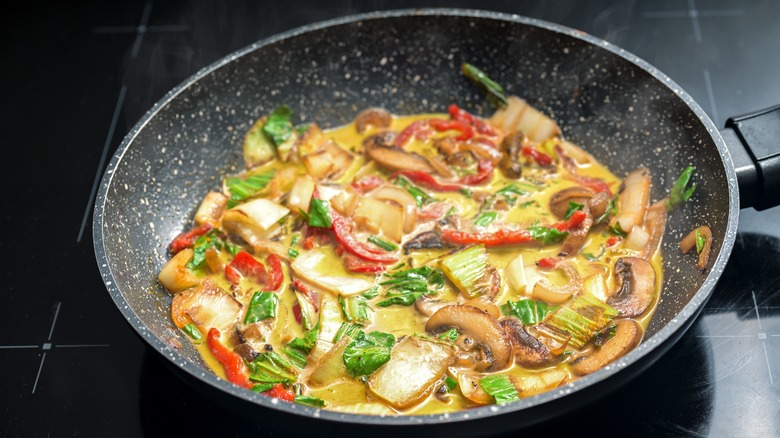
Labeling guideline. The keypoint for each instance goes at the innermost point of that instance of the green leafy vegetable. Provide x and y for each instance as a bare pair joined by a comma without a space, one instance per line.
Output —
450,383
354,309
495,93
500,388
521,189
700,241
420,197
528,204
203,243
366,353
580,318
262,306
298,349
346,329
262,387
319,214
192,331
241,189
528,311
308,400
371,293
279,126
612,209
573,206
468,270
404,287
547,236
485,218
270,367
384,244
449,336
680,191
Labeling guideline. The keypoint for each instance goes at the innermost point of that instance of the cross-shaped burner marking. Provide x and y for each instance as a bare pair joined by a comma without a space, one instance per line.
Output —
140,30
48,345
694,15
761,335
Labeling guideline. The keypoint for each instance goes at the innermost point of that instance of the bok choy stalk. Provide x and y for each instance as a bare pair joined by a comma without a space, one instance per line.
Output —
580,318
404,287
468,270
241,189
298,349
500,388
355,309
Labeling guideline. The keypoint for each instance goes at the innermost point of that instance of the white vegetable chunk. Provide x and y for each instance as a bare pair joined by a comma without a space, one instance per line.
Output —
264,213
175,276
414,367
211,306
305,265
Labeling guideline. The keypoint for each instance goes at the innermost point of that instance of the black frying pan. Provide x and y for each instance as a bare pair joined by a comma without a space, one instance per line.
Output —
612,103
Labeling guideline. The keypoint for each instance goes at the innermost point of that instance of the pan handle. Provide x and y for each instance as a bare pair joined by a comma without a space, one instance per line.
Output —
754,143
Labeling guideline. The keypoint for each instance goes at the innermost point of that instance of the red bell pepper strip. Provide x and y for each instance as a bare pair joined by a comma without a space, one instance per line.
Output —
500,237
463,116
355,264
188,238
548,262
540,157
279,392
453,125
244,264
297,312
342,230
613,240
505,236
427,180
275,273
484,173
235,369
419,129
573,222
367,183
590,182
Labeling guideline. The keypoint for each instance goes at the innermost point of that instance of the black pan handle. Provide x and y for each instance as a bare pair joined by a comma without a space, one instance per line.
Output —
754,143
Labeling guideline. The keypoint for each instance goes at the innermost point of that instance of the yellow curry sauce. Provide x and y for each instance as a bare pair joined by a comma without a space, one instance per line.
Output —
594,263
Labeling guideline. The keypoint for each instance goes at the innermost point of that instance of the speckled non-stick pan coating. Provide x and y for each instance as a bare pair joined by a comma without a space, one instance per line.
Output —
611,103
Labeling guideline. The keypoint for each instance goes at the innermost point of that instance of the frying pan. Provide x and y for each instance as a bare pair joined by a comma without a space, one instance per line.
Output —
619,108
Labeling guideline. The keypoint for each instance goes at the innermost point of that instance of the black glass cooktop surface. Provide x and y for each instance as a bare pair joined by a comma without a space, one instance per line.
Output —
75,79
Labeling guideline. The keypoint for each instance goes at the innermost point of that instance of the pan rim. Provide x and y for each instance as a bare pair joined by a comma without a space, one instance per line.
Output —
683,318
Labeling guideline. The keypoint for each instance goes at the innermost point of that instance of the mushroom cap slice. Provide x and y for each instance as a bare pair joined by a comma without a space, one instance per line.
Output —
559,202
636,291
478,325
529,351
628,334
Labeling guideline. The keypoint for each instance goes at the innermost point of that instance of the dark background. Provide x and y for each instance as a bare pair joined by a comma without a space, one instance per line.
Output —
76,77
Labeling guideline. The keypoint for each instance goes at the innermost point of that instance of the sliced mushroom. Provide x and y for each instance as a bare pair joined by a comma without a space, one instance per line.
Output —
655,221
392,157
636,290
529,351
428,306
628,334
599,204
246,351
373,117
559,203
472,390
484,303
553,294
510,149
425,240
483,329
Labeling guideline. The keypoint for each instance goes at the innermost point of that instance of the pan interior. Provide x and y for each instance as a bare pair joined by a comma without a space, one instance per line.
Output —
622,113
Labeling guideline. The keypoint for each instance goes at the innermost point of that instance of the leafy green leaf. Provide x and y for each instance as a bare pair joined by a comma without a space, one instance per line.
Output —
241,189
404,287
495,93
573,206
262,306
450,383
528,204
371,293
319,213
592,257
700,241
547,236
485,218
270,367
307,342
308,400
212,239
366,353
346,329
384,244
680,191
279,126
192,331
528,311
616,230
354,309
449,336
500,388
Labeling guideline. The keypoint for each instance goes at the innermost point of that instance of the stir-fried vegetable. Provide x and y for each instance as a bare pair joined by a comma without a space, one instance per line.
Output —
420,264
